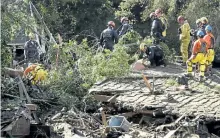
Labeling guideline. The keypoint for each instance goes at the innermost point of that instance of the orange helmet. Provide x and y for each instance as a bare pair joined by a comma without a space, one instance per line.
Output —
111,23
124,19
180,18
152,14
158,11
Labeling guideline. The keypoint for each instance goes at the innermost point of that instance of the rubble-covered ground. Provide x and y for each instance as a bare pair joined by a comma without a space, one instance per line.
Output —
168,111
168,98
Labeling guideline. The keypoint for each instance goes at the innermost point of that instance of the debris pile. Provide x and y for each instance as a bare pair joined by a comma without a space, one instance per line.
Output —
74,123
121,113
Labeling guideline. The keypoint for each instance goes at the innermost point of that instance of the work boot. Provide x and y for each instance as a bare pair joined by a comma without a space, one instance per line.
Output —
188,75
201,78
183,64
207,74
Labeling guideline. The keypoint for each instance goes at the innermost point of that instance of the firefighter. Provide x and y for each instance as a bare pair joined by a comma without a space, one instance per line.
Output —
154,54
156,29
31,52
198,56
35,73
109,37
210,40
159,14
193,32
205,22
184,32
125,26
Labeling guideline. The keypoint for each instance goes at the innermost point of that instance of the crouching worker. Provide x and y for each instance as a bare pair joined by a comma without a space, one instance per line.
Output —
198,56
35,73
210,40
154,54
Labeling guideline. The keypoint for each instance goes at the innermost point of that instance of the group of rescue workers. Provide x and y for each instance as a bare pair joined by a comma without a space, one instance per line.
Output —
203,46
203,42
202,50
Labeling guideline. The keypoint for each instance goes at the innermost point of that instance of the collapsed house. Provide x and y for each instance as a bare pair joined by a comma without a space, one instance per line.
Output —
155,93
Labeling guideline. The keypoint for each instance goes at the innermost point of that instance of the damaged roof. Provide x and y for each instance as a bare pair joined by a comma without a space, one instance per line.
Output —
19,39
132,92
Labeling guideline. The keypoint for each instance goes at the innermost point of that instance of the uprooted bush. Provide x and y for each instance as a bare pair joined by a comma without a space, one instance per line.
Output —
130,42
103,65
79,68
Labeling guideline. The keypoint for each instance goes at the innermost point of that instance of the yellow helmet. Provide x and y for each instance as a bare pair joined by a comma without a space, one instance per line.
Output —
198,21
142,46
204,20
31,35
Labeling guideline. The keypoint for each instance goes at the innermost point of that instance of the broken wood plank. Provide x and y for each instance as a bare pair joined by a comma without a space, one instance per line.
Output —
144,111
104,121
180,118
100,92
102,98
128,114
24,90
13,72
147,83
140,122
113,98
21,91
171,133
9,95
28,98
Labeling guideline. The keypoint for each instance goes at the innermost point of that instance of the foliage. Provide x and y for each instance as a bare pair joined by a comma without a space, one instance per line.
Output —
103,65
6,58
139,11
171,82
210,9
15,18
86,68
130,42
79,66
76,17
66,84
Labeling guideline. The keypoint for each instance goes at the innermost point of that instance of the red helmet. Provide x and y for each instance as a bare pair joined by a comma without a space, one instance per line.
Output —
158,11
111,23
180,18
152,14
124,19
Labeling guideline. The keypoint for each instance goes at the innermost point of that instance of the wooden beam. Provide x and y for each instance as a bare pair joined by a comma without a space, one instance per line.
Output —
113,98
13,72
171,132
24,89
102,98
147,83
28,98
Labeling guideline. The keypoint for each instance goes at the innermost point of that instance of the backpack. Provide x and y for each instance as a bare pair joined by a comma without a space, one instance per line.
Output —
203,47
31,49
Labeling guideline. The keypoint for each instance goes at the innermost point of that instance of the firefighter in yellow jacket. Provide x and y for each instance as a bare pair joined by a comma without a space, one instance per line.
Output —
198,55
184,32
35,73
